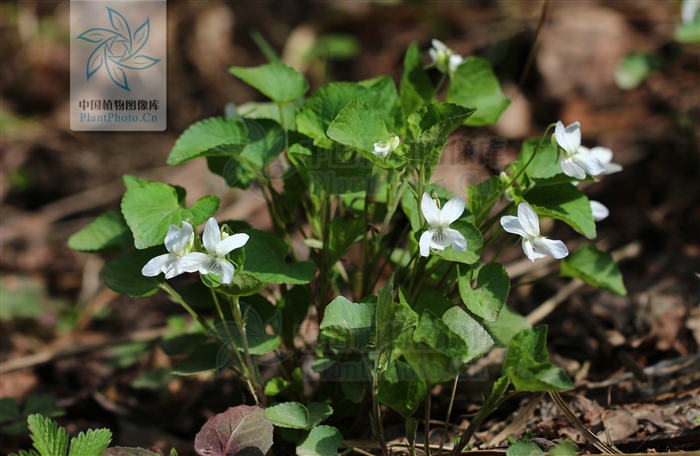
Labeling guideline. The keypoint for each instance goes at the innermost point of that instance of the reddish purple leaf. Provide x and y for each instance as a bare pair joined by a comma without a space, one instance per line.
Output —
241,430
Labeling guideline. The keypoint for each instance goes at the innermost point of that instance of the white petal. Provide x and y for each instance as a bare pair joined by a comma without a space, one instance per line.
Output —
452,210
600,212
430,210
381,150
227,271
557,249
174,269
603,154
455,61
231,243
433,54
611,168
512,225
528,219
459,243
193,262
424,243
440,239
211,236
689,10
158,264
183,239
439,45
568,138
172,237
589,163
571,169
539,248
530,251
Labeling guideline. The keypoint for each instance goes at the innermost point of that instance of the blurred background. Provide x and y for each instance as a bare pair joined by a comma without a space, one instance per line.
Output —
616,67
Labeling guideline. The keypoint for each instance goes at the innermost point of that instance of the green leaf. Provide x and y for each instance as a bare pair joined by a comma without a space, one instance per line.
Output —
507,325
243,285
123,274
343,233
431,300
475,85
524,449
596,268
288,415
401,388
487,299
474,335
213,137
294,306
474,244
205,358
294,415
108,233
566,203
266,142
395,321
527,363
635,68
429,128
265,260
358,126
321,108
437,351
481,198
544,165
91,443
388,103
277,81
239,430
48,438
151,207
320,441
416,88
688,33
318,413
351,324
270,110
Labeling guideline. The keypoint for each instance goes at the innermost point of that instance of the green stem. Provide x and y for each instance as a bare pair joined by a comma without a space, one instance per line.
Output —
366,254
491,404
175,296
238,318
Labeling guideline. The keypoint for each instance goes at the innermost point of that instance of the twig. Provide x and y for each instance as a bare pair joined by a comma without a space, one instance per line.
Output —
630,250
575,422
78,350
518,423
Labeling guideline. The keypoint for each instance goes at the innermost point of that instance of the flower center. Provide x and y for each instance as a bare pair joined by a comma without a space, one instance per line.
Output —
440,235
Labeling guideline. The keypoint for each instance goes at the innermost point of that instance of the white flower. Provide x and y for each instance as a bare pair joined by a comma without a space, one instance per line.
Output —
599,211
689,9
604,155
527,225
218,245
440,235
444,58
179,243
381,149
576,161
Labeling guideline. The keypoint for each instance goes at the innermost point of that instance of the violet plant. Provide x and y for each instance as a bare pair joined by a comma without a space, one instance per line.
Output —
393,273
